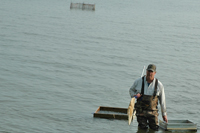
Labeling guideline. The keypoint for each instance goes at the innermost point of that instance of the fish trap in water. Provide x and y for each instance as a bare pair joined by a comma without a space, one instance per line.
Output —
82,6
174,125
111,113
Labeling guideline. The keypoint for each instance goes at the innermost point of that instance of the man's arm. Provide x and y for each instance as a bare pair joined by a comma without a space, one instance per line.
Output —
163,102
133,91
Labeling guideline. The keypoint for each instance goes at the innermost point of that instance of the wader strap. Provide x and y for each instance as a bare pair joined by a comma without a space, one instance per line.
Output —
142,92
155,90
142,89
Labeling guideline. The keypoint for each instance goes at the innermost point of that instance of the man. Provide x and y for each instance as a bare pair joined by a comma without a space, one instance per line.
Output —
148,91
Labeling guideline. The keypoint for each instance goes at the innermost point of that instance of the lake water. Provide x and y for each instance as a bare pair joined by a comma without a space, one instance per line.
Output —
59,65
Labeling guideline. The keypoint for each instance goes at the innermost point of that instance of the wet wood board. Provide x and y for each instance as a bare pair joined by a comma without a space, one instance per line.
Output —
111,113
178,125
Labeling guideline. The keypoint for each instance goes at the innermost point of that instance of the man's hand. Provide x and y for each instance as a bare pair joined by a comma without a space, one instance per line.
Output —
138,95
165,119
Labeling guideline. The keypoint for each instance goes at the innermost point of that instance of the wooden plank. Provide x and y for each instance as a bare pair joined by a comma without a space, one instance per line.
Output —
111,116
182,128
114,109
179,121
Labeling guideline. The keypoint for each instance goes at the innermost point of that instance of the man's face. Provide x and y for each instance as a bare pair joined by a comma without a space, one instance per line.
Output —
150,75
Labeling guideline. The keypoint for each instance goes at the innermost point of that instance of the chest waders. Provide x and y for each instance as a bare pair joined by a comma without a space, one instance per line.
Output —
146,102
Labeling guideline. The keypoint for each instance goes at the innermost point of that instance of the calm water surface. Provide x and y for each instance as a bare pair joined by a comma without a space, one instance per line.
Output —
59,65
